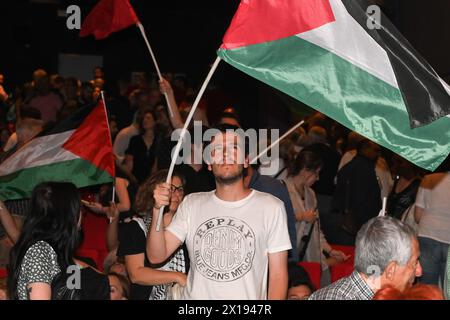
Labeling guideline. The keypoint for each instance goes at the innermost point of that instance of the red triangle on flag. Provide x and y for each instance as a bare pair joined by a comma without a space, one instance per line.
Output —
259,21
91,141
108,16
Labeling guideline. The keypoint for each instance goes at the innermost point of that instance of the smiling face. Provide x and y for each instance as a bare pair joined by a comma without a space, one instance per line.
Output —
227,158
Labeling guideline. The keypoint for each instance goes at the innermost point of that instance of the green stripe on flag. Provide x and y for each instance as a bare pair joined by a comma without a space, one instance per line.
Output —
344,92
20,184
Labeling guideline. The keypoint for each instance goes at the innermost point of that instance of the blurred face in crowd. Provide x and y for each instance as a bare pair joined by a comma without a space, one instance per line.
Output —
98,73
299,292
116,289
307,177
177,193
96,93
148,122
162,115
2,79
154,97
402,277
227,158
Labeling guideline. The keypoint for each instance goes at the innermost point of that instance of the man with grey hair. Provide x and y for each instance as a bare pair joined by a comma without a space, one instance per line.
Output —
387,254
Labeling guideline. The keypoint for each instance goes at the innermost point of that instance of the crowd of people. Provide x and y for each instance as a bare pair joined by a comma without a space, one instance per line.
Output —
229,229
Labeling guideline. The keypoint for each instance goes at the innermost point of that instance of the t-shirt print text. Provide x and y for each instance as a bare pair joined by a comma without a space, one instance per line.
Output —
224,248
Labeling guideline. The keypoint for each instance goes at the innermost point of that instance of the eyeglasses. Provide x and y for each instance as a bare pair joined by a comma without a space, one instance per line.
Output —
179,189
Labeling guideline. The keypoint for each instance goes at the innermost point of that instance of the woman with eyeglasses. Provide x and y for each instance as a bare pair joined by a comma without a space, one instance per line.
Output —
311,243
152,281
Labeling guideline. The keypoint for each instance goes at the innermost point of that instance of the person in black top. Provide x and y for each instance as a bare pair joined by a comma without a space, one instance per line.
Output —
140,157
146,281
357,187
404,191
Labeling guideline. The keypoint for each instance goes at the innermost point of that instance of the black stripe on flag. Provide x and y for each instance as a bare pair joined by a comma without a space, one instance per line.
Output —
424,95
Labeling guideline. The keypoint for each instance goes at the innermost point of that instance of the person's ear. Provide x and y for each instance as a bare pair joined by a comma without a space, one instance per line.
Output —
390,270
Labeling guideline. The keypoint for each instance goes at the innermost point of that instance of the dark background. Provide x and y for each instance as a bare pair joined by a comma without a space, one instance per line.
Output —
184,36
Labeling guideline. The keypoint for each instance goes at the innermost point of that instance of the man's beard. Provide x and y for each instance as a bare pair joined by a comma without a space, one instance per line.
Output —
230,179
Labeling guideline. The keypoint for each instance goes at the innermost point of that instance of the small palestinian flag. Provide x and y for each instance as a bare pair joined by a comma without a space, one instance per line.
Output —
333,56
77,150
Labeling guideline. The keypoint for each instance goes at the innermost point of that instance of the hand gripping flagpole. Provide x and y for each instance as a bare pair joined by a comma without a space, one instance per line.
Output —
253,161
141,28
183,133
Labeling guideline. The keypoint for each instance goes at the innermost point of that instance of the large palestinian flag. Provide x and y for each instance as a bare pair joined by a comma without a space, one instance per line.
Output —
78,150
332,56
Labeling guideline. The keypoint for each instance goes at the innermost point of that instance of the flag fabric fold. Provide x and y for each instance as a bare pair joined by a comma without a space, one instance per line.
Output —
327,58
108,16
78,150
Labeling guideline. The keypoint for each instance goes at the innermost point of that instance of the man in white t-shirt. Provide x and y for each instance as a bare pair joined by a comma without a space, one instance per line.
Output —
237,238
432,213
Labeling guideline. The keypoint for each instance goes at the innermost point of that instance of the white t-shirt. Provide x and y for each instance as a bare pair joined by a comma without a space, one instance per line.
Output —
229,243
434,196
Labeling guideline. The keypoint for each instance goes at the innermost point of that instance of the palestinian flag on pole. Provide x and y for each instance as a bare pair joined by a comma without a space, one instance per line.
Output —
77,150
334,57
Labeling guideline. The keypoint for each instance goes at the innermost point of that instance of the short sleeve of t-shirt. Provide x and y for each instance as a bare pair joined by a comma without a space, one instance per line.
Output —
180,222
40,264
132,240
278,237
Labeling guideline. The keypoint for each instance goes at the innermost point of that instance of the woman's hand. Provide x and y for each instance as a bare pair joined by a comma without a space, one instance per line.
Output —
95,207
112,212
162,195
339,255
308,216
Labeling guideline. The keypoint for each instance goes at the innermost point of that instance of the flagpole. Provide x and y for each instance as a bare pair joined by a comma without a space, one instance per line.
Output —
102,93
141,28
277,141
383,208
183,133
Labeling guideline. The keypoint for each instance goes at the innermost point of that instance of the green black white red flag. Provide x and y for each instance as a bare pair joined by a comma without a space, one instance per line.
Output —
78,150
371,80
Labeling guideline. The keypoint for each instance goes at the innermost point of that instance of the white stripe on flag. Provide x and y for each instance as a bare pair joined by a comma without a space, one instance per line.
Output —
39,152
347,39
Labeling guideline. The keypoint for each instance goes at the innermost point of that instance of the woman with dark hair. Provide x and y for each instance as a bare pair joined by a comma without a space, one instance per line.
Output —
47,242
311,243
147,281
140,156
